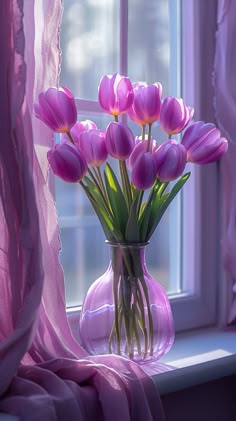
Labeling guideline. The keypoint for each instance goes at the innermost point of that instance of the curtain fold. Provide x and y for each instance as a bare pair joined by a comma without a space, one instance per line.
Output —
225,112
44,373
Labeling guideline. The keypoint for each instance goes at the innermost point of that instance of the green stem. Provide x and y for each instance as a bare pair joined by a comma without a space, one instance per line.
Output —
150,320
125,183
116,325
143,321
140,314
135,328
91,198
98,174
116,118
149,137
143,132
138,272
70,137
101,191
102,182
126,301
141,193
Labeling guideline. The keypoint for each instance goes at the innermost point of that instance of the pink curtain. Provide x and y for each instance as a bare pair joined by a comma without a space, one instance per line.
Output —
44,373
225,113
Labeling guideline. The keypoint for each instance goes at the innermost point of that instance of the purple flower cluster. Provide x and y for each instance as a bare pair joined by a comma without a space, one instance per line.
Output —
83,145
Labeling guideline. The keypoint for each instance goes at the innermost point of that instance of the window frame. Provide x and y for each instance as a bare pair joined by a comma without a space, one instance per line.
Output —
201,243
197,307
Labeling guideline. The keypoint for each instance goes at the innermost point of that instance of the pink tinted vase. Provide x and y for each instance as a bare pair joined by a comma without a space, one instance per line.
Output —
126,311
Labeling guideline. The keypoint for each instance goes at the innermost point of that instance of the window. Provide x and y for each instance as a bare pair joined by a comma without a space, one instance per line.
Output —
143,40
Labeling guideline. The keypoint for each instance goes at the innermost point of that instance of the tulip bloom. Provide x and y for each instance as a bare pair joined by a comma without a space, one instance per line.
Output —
175,115
79,127
93,146
147,103
119,140
203,143
115,94
57,109
67,162
144,171
139,148
170,160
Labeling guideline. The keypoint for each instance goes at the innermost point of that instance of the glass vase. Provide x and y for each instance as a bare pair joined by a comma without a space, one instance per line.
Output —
126,311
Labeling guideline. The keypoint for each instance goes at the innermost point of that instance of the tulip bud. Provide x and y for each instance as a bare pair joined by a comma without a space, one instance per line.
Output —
175,115
144,171
93,146
139,148
170,159
203,143
79,127
67,162
147,103
119,140
57,109
115,94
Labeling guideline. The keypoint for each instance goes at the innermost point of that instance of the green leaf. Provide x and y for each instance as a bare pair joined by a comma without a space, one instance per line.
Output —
147,209
110,231
116,199
145,222
132,227
161,203
94,191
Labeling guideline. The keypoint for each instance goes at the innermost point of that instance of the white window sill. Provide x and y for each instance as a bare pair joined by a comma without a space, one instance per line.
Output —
197,357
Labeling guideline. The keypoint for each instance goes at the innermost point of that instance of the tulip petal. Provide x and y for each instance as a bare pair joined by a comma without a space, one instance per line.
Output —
67,162
144,171
170,160
203,143
115,94
174,115
57,109
119,140
147,103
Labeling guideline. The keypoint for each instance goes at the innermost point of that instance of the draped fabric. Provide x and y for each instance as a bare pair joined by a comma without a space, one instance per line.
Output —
44,373
225,113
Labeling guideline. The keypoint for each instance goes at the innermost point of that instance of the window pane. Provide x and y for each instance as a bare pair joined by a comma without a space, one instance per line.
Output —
84,257
149,42
89,44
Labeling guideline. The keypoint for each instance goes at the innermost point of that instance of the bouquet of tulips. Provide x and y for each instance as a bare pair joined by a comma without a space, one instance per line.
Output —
126,214
143,163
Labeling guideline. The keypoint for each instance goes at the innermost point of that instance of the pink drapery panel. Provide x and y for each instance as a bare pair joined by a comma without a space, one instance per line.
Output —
225,113
44,373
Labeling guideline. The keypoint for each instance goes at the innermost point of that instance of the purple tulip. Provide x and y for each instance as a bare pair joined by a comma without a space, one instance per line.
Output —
67,162
93,146
175,115
139,148
115,94
79,127
119,140
57,109
203,143
170,160
147,103
144,171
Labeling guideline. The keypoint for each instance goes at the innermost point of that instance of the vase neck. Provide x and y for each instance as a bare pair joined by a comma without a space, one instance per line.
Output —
128,257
